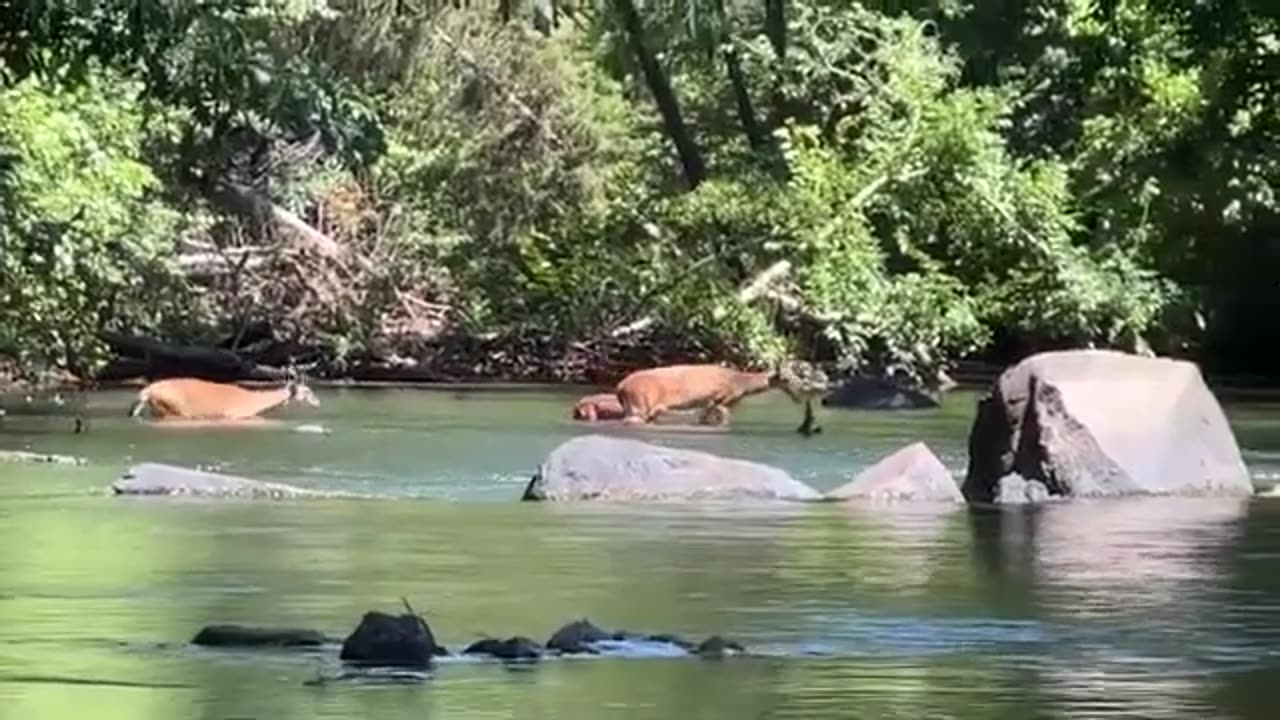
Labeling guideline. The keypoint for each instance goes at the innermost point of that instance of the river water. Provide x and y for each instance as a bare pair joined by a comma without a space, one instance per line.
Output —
1142,609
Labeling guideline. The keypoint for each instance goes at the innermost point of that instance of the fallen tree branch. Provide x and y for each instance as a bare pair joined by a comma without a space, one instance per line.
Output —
161,359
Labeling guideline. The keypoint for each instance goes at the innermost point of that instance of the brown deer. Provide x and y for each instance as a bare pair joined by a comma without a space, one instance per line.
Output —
647,394
193,399
601,406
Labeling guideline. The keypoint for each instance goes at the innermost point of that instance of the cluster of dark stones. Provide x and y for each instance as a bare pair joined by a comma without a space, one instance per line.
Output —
386,640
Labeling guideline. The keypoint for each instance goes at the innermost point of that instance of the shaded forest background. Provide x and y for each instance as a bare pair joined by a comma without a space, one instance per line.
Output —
533,189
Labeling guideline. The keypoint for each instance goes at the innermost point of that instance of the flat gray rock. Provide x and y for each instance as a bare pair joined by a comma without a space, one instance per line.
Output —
161,479
598,467
912,474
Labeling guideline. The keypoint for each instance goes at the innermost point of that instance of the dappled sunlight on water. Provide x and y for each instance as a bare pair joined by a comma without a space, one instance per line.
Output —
1142,609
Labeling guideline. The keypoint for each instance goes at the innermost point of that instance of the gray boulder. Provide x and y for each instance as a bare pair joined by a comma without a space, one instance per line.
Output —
1097,423
596,467
911,474
161,479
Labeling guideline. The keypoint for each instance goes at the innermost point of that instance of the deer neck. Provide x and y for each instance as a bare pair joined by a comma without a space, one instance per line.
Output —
752,383
262,400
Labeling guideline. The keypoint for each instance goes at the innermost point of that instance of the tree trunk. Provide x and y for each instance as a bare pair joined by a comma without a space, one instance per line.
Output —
758,136
668,106
742,96
775,26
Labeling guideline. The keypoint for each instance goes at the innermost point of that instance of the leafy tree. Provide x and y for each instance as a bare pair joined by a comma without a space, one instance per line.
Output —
83,241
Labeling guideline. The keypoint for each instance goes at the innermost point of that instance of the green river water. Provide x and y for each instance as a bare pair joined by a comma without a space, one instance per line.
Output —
1143,609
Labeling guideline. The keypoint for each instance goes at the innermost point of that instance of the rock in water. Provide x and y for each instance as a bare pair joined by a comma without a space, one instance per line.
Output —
578,637
160,479
1013,489
718,647
1102,423
513,648
597,467
913,473
868,393
392,641
22,456
252,637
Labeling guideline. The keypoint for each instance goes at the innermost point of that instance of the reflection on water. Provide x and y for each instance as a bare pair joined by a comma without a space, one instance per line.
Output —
1144,608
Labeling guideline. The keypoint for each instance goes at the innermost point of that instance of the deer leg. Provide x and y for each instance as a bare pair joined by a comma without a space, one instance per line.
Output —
631,414
714,415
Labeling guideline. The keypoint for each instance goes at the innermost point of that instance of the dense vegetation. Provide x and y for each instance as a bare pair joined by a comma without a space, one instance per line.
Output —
538,188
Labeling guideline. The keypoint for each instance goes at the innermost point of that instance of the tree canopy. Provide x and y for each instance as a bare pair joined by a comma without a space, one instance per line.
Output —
552,189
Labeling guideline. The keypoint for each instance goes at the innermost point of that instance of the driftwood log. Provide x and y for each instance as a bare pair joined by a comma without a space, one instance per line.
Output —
156,360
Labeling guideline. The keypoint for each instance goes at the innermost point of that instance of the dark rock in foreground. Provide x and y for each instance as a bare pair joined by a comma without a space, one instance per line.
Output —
577,637
387,646
257,637
913,473
597,467
1101,423
513,648
390,640
161,479
718,647
865,393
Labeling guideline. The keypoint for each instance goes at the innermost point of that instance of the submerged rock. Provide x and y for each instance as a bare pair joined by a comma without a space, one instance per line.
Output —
256,637
161,479
391,640
22,456
513,648
584,637
913,473
671,639
597,467
1102,423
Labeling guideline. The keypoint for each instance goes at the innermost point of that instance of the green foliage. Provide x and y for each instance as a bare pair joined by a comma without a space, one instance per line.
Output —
930,176
83,242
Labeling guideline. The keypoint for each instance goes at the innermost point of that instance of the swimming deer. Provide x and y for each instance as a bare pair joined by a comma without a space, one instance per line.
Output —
601,406
647,394
190,399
